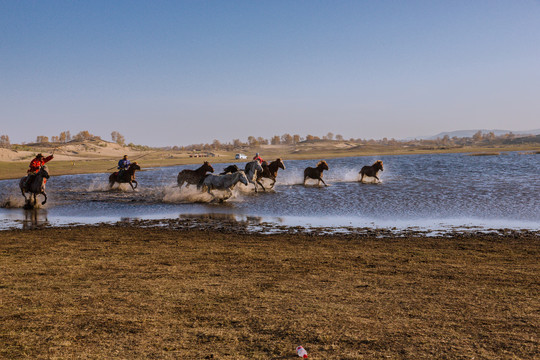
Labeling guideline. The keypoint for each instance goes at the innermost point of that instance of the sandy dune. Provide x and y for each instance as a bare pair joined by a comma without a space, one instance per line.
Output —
70,151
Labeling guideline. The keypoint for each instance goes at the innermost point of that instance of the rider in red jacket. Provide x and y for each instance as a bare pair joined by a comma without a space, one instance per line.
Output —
258,158
35,165
38,162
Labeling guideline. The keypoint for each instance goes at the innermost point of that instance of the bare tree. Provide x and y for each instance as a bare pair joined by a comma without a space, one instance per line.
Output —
339,137
489,136
118,138
83,135
276,140
4,141
42,139
252,141
216,144
286,139
237,143
477,136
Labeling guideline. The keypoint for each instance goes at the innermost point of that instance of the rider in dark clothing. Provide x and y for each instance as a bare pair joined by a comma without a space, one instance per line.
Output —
123,165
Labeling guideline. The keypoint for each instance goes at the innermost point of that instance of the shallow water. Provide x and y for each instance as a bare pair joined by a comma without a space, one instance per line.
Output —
430,192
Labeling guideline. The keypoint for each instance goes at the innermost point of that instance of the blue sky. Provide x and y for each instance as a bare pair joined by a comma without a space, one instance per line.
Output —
183,72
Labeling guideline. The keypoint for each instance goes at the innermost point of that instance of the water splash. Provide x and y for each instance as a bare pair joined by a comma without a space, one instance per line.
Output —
12,201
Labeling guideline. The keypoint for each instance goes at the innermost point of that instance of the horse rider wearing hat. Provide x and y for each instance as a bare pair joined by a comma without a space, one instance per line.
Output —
35,165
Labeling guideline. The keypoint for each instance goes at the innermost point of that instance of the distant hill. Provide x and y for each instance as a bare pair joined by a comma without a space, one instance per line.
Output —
470,133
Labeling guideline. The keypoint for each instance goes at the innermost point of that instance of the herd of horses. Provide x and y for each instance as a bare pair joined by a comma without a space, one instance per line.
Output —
203,177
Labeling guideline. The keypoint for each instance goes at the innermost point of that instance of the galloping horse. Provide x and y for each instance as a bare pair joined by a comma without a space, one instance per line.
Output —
251,170
270,171
194,177
230,170
224,182
127,176
372,170
316,172
36,187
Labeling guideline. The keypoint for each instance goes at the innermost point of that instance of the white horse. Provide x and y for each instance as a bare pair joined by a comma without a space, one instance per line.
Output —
36,186
251,170
224,182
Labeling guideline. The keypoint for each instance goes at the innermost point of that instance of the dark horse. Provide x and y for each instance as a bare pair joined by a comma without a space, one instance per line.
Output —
316,172
270,171
127,176
35,188
231,169
371,170
194,177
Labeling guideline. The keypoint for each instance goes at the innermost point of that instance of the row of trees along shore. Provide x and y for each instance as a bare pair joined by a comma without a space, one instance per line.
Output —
479,138
66,137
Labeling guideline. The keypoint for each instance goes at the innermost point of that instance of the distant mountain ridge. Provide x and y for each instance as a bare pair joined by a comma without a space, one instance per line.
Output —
470,133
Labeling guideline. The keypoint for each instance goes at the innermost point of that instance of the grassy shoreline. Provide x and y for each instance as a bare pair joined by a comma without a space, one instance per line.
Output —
128,292
17,169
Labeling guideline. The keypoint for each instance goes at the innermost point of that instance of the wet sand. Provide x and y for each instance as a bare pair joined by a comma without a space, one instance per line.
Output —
128,291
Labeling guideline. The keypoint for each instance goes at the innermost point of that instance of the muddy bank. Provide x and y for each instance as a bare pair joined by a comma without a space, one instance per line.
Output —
146,292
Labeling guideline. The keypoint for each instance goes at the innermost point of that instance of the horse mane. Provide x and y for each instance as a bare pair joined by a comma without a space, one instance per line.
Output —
322,162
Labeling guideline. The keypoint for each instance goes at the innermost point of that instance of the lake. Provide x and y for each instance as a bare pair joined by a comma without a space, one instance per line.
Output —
443,192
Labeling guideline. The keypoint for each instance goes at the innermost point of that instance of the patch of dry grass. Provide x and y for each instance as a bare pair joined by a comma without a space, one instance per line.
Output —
110,292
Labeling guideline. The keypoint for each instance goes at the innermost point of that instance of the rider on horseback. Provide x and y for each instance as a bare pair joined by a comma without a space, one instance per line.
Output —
258,158
35,165
123,165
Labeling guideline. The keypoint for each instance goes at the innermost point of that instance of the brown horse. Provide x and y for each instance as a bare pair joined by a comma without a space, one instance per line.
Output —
372,170
270,171
194,177
127,176
316,172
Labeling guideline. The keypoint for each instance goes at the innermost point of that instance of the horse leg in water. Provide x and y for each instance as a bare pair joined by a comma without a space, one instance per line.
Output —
254,183
320,179
229,194
45,195
260,183
23,194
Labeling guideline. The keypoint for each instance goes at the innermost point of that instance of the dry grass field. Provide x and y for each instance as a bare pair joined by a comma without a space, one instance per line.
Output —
111,292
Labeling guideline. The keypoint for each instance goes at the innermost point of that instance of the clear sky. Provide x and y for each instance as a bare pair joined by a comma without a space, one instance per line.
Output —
183,72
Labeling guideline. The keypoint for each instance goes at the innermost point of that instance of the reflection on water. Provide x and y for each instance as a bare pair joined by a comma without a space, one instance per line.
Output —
430,191
35,219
